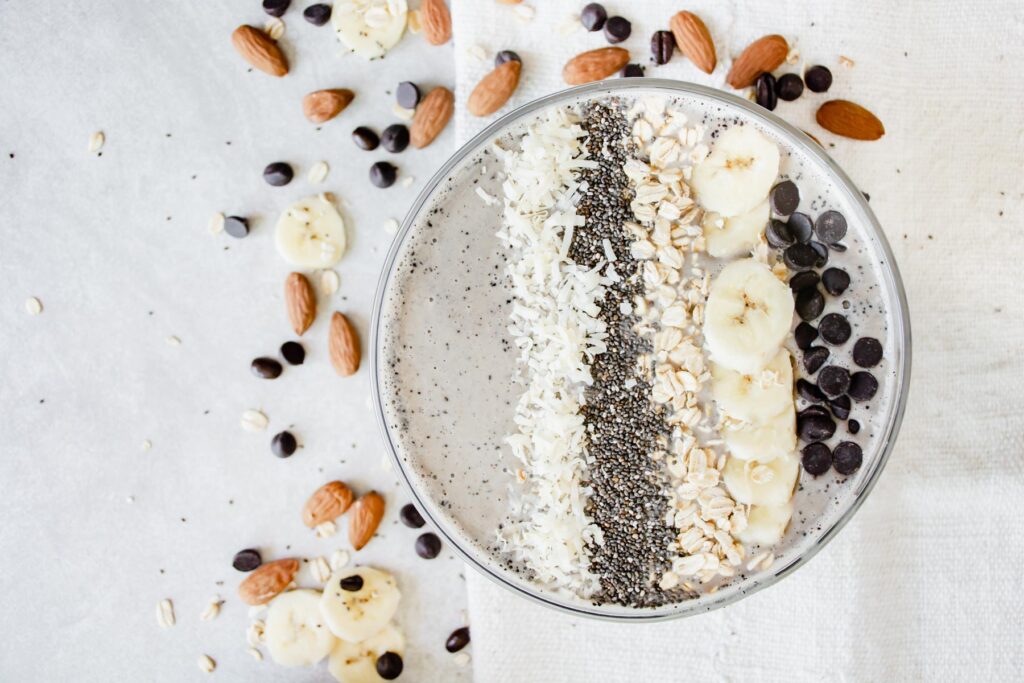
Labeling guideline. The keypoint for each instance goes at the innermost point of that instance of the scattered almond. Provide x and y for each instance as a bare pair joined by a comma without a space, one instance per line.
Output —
327,503
364,519
694,40
324,105
850,120
260,50
494,89
300,301
343,346
764,54
435,22
432,116
594,65
263,584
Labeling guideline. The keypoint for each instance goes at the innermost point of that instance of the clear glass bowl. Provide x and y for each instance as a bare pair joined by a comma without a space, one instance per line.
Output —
473,549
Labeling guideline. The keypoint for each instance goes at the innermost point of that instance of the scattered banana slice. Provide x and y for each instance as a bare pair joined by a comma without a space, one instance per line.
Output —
747,317
729,237
766,524
761,483
738,173
370,27
357,662
355,615
757,397
311,234
764,442
295,632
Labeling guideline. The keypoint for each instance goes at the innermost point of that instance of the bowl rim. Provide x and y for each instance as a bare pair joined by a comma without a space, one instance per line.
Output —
794,136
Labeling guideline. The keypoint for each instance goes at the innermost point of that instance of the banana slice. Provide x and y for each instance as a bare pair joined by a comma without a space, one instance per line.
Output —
738,173
370,27
311,234
761,483
754,398
295,631
729,237
358,611
764,442
357,662
766,524
747,317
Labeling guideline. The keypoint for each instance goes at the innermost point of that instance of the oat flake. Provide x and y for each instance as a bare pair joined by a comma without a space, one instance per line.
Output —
256,654
461,659
329,282
402,112
96,141
212,609
216,224
391,226
206,663
321,570
165,613
339,559
413,21
146,445
408,180
318,173
326,530
274,28
33,305
174,341
254,421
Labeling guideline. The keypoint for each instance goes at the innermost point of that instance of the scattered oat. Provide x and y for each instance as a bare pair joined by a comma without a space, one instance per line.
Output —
326,530
408,180
212,610
391,226
524,12
206,663
669,580
793,57
254,634
413,21
129,499
403,113
329,282
165,613
216,224
274,28
477,52
339,559
174,341
570,24
461,659
847,62
321,570
318,173
768,562
256,654
96,141
254,421
33,305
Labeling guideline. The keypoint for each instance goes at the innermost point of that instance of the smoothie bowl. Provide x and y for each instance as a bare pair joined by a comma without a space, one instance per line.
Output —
639,349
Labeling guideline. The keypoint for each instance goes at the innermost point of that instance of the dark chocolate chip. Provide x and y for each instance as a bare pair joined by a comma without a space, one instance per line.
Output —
318,14
840,407
809,392
785,198
617,29
814,358
764,91
283,444
389,666
853,426
835,281
663,44
267,368
407,95
593,16
800,257
365,138
805,334
457,640
506,56
833,380
818,78
236,226
807,278
809,302
838,246
247,560
822,251
863,386
276,8
815,427
816,458
293,352
428,546
278,173
632,71
395,138
789,87
830,227
383,174
835,329
867,352
801,227
847,457
352,583
779,235
410,516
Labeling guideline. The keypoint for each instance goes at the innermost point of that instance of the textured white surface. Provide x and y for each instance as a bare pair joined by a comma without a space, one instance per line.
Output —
925,583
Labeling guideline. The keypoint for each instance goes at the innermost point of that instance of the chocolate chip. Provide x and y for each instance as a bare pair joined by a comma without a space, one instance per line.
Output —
838,246
867,352
293,352
410,516
805,334
278,173
800,257
267,368
820,411
593,16
407,95
822,251
283,444
833,380
383,174
835,329
847,457
816,458
506,56
236,226
840,407
247,560
785,197
835,281
818,78
764,91
318,14
789,87
830,227
352,583
663,44
807,278
632,71
617,29
389,666
814,358
801,227
815,427
863,386
779,235
365,138
809,392
395,138
428,546
276,8
853,426
809,301
457,640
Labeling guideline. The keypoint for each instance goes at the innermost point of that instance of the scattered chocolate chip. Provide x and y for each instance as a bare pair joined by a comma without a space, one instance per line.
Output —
632,71
457,640
410,516
383,174
847,457
814,358
835,281
276,8
863,386
278,173
267,368
236,226
352,583
428,546
838,246
835,329
853,426
764,91
789,87
815,427
805,334
779,235
840,407
506,56
807,278
833,380
283,444
800,257
820,411
663,44
822,251
593,16
809,301
318,14
867,352
395,138
785,197
365,138
247,560
801,226
617,29
830,227
809,392
818,78
389,666
293,352
407,95
816,458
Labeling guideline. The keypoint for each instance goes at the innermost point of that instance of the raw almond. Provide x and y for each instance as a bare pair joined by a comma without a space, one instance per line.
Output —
343,346
494,89
594,65
327,504
324,105
262,585
764,54
364,519
435,21
260,50
431,117
301,302
694,40
850,120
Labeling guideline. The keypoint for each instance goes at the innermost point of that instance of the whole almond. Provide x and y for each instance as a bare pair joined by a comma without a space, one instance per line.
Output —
343,345
764,54
364,519
850,120
694,40
300,301
431,116
594,65
260,50
327,504
324,105
436,21
262,585
494,89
